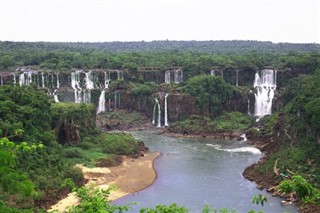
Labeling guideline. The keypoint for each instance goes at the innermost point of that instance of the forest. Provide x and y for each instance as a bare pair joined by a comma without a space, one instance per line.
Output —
41,141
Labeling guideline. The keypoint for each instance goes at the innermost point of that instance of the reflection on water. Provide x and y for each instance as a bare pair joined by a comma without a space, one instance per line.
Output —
199,172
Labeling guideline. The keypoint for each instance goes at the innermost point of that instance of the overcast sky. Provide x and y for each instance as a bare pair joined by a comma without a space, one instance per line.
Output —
136,20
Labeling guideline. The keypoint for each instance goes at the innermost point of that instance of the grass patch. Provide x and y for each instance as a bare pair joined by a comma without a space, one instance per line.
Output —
233,121
225,122
119,143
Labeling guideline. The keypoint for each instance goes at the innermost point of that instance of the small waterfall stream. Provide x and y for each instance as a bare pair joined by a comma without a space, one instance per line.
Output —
102,102
166,110
154,112
102,97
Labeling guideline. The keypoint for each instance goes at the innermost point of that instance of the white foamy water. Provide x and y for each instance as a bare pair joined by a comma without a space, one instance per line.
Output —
252,150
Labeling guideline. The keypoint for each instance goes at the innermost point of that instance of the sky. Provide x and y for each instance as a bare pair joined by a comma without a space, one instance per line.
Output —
295,21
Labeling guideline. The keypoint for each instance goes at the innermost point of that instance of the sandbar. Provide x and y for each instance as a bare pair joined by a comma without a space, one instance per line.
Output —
132,175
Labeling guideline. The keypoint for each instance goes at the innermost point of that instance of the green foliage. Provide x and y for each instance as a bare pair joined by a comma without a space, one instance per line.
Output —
233,121
302,187
260,199
226,122
172,208
26,110
194,124
122,117
68,183
11,180
119,84
210,92
144,89
119,143
95,200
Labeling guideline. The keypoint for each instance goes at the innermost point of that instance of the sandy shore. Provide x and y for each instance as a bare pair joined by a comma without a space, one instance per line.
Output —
131,176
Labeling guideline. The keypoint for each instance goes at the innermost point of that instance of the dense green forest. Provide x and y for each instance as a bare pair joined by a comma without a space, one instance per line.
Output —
35,168
66,56
234,46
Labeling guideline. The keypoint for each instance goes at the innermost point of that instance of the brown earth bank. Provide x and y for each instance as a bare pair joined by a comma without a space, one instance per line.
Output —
269,181
196,134
129,176
268,146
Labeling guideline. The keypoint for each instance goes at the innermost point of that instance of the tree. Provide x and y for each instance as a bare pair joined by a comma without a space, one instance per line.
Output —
210,92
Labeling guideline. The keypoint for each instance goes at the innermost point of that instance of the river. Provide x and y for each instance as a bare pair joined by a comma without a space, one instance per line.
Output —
199,172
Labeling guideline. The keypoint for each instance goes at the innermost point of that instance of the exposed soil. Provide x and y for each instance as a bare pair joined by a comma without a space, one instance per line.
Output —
130,176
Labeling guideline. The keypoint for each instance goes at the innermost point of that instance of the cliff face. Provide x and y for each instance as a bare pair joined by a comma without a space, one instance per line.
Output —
72,121
87,86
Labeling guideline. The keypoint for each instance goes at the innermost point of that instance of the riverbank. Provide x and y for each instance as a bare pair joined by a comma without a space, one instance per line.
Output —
268,147
131,176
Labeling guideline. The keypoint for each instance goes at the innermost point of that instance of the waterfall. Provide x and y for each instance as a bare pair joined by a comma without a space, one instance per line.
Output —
21,79
154,112
249,107
177,74
58,83
1,80
167,76
177,77
55,96
14,79
265,89
115,100
102,98
212,72
42,80
75,84
89,82
102,102
156,105
119,75
106,80
237,75
159,115
166,110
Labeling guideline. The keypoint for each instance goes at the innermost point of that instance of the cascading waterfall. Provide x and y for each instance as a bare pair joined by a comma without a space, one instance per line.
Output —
42,80
58,82
89,86
102,102
159,115
265,89
116,100
25,78
119,75
155,107
177,76
55,96
166,110
75,84
106,80
21,79
167,76
154,112
14,79
237,76
102,98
